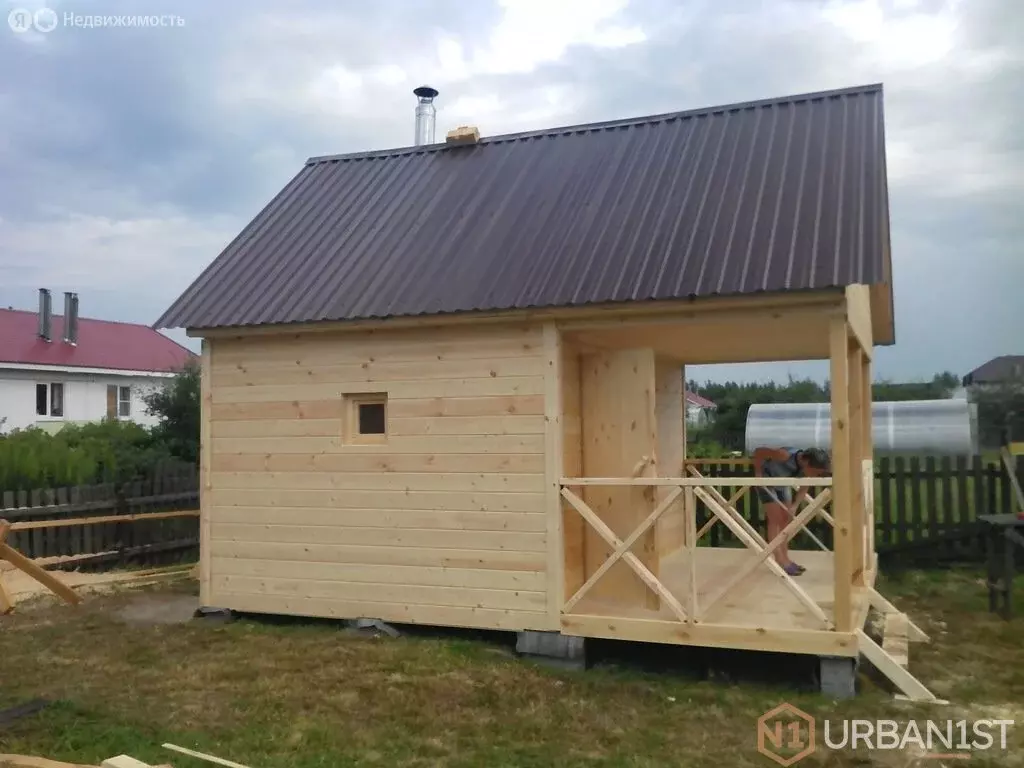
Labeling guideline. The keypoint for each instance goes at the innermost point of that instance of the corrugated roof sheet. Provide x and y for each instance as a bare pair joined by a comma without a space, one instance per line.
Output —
782,194
101,344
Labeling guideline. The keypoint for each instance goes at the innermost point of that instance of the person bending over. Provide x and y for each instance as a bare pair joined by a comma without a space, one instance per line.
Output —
778,502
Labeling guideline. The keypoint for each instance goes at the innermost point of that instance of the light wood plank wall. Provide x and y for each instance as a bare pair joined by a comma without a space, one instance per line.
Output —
443,524
573,526
619,430
669,412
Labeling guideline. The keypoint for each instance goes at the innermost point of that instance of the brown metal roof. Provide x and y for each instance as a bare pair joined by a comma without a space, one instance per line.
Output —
783,194
998,369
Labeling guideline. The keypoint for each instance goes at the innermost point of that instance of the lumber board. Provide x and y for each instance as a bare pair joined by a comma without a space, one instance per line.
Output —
18,560
133,518
553,429
383,463
204,756
701,481
435,557
31,761
818,642
843,493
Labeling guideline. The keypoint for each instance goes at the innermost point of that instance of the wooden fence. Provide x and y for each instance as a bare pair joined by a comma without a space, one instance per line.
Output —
101,545
926,512
926,508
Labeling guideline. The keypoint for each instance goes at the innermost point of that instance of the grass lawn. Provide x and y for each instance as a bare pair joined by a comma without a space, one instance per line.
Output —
303,694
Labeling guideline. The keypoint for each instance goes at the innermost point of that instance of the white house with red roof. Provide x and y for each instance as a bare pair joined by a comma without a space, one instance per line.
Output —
66,369
699,410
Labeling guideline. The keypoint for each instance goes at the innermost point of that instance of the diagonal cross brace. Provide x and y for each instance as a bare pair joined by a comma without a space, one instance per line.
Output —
775,568
622,548
627,557
18,560
784,535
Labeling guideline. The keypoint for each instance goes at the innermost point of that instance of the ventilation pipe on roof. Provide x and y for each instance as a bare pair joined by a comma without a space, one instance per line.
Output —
45,313
426,115
70,317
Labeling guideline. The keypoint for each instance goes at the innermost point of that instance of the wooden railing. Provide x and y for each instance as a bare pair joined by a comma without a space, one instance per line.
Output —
689,490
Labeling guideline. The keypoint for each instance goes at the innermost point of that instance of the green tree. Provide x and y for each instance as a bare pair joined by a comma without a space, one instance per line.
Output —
177,407
1000,411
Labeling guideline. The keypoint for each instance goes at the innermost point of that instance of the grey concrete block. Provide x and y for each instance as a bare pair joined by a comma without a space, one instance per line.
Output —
554,648
838,675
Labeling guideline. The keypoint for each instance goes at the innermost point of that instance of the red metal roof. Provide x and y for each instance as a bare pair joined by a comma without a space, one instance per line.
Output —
699,400
785,194
101,344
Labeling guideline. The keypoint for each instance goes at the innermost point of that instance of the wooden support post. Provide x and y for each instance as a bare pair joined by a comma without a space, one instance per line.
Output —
842,486
553,436
855,360
868,460
205,477
690,511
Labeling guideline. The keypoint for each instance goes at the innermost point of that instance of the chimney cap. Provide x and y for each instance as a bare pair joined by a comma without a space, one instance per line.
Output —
425,92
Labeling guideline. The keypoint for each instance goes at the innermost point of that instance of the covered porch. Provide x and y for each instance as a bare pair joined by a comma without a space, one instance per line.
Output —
636,562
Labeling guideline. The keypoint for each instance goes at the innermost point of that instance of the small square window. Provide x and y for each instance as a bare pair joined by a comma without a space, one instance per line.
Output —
367,418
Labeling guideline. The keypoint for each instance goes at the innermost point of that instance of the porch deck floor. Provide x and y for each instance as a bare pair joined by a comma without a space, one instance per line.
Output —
761,601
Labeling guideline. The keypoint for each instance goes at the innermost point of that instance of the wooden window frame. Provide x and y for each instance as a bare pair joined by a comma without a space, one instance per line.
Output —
121,389
353,401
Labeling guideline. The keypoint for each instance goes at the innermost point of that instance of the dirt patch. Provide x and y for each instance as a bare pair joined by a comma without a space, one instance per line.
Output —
159,609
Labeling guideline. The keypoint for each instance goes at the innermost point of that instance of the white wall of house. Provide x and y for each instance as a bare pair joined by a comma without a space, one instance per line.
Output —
698,416
84,396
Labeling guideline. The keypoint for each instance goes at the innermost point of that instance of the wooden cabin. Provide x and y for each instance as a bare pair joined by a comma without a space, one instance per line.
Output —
443,384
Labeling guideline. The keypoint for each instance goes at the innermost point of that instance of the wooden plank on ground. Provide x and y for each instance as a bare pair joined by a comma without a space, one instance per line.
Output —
202,756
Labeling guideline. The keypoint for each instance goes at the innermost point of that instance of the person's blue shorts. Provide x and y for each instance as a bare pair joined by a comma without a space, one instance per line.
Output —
783,494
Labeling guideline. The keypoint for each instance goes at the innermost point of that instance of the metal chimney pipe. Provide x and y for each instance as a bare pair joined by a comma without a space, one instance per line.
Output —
45,313
426,115
70,317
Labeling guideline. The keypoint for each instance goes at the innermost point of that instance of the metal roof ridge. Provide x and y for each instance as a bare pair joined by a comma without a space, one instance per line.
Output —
601,125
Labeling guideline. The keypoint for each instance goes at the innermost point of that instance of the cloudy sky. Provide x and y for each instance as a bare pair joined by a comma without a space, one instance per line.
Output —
129,157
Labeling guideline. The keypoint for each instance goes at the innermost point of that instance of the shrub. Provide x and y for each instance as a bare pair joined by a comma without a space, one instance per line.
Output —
108,451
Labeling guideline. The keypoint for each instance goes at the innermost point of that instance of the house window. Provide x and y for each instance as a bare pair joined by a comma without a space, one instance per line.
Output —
366,418
50,399
124,401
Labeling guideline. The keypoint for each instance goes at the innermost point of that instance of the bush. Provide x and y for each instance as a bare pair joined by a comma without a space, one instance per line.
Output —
109,451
